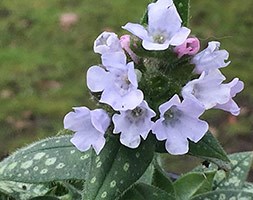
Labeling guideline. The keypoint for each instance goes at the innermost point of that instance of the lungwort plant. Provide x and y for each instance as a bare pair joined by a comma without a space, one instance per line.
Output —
151,89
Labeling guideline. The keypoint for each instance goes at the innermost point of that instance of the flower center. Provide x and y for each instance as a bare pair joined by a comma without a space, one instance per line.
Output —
159,38
171,116
137,112
122,82
136,115
103,40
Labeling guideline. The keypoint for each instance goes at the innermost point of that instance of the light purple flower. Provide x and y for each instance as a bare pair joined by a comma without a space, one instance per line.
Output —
178,122
189,47
210,58
208,89
164,27
231,106
133,124
89,127
107,42
118,85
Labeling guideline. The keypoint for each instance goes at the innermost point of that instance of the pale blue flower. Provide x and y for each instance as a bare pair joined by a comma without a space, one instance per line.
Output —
107,42
89,127
179,121
210,58
231,106
164,27
208,89
133,124
118,85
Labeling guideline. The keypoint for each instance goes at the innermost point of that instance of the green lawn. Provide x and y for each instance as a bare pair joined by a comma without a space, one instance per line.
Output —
42,67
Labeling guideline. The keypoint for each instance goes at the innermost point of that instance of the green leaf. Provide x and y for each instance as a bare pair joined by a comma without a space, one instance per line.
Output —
45,161
241,164
208,148
193,183
143,191
225,195
73,192
22,191
148,175
183,10
116,169
44,198
162,181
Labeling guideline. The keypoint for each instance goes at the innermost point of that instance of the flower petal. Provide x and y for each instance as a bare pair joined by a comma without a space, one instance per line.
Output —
133,124
236,86
208,89
100,120
118,102
180,36
97,78
175,100
175,143
131,74
88,131
74,120
193,128
163,16
149,45
107,42
114,60
136,29
210,58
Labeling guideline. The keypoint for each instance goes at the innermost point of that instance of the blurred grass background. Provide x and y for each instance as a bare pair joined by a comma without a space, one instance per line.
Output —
43,62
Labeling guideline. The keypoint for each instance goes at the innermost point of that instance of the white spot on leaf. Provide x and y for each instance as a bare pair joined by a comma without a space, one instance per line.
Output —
93,180
43,171
39,155
60,166
99,164
26,164
12,166
113,184
84,157
104,194
126,167
50,161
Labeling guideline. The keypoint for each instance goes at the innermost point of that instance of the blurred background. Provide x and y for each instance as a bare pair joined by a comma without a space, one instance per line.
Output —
46,47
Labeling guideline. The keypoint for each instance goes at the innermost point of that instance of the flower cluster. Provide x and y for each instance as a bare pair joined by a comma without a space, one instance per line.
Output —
117,78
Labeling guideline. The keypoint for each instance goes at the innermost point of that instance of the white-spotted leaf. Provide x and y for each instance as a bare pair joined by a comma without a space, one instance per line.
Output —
116,169
22,191
241,164
48,160
224,195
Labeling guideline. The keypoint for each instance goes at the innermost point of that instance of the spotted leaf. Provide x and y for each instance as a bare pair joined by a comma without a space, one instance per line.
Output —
22,191
45,161
116,169
241,164
225,194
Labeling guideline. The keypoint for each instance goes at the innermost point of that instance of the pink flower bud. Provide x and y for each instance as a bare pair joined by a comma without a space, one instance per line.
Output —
190,47
125,44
